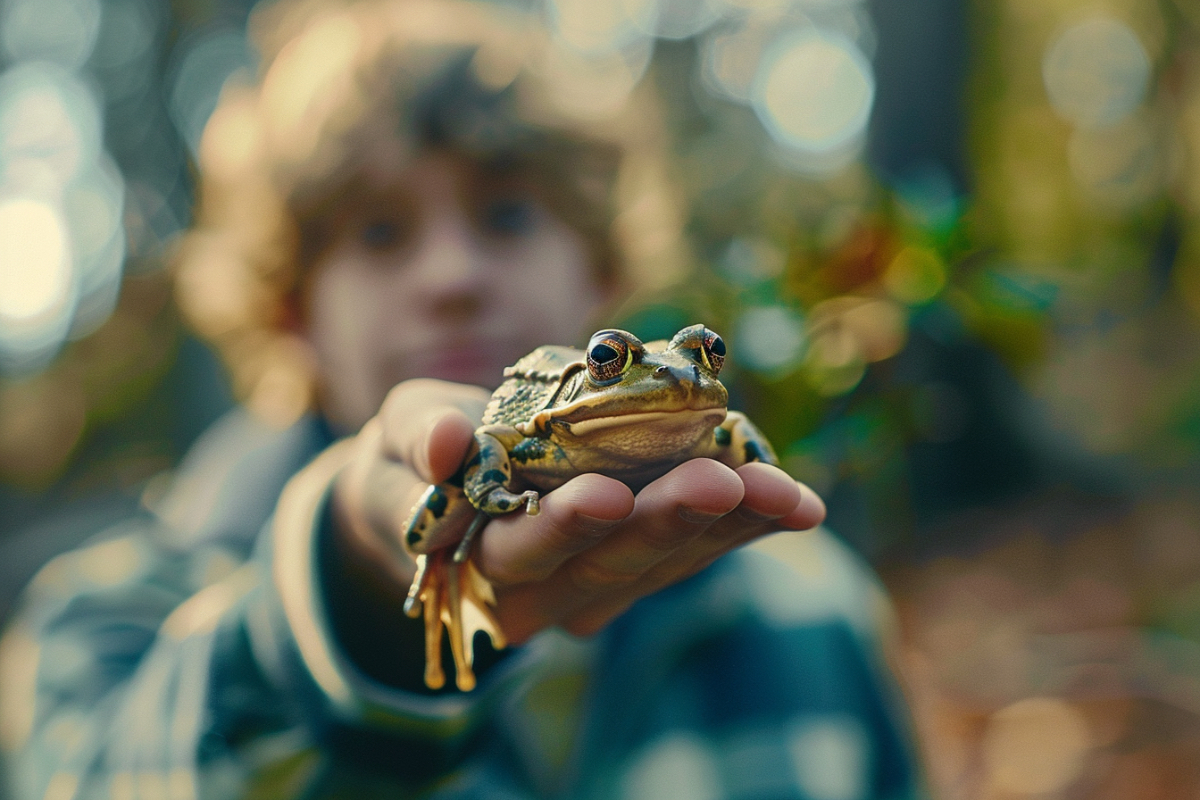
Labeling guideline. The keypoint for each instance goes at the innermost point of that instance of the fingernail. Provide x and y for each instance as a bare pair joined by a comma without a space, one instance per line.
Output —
421,456
697,517
809,496
754,517
594,525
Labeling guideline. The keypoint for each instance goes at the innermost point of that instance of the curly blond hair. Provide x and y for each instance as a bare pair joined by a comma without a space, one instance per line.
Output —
475,79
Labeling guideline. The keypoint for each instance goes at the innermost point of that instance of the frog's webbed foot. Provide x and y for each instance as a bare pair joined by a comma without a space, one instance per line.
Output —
455,596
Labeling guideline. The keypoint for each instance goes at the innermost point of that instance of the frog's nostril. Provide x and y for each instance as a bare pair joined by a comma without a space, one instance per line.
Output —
661,370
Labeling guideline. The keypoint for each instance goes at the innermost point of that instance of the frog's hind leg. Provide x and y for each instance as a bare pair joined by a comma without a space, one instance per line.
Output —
532,507
738,441
458,599
430,590
420,580
464,545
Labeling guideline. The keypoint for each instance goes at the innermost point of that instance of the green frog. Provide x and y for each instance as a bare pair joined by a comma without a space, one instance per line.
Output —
621,408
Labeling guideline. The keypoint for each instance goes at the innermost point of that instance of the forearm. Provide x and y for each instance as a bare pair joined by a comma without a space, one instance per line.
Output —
127,664
115,671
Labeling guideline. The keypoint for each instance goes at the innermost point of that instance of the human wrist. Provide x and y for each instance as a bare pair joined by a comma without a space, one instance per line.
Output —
364,591
364,597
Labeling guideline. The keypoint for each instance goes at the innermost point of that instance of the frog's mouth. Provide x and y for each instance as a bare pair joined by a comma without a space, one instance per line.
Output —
667,420
628,445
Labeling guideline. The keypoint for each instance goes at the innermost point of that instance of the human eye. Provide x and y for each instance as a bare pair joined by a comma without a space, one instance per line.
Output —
382,234
514,215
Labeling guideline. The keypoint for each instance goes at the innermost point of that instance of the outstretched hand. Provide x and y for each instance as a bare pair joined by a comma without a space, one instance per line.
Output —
594,550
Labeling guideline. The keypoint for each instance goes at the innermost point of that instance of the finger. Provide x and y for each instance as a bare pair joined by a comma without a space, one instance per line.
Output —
518,548
367,497
429,425
774,496
377,491
773,501
668,514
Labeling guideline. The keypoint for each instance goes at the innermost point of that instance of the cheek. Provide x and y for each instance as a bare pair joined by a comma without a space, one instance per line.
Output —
332,305
341,326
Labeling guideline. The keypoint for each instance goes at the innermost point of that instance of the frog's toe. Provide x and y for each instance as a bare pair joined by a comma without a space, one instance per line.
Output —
457,600
533,505
412,603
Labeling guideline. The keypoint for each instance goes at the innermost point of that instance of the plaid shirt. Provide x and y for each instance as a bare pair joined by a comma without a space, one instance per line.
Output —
186,654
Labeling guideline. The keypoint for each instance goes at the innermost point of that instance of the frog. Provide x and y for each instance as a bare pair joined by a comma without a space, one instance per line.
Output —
623,408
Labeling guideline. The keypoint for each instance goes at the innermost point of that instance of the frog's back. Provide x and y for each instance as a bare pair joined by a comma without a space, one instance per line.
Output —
530,384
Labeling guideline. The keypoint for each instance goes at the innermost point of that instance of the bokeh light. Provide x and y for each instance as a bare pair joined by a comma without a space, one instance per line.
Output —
1122,165
748,262
601,26
915,275
204,65
731,58
1096,72
35,260
92,208
814,92
64,243
124,49
680,19
304,80
36,278
62,31
769,338
593,86
848,333
1035,746
49,127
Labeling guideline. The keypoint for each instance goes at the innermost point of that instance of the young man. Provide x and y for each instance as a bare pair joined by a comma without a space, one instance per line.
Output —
398,212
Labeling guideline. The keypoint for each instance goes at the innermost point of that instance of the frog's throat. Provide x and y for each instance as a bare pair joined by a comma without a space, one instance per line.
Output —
684,417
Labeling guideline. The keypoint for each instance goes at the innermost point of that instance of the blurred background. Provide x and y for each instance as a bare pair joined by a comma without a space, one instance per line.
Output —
954,248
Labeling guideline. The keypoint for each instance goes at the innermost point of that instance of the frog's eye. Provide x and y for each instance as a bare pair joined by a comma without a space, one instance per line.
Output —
714,351
702,346
609,356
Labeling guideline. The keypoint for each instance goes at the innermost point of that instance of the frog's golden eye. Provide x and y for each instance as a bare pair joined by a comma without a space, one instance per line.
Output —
609,356
702,346
714,351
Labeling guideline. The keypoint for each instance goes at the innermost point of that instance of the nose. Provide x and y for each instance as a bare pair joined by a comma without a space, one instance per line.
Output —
448,267
685,375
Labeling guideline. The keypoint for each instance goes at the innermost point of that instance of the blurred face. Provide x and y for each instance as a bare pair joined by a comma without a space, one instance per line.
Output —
441,269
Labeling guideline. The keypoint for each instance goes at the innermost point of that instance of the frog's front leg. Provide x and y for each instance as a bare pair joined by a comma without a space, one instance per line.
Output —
738,441
477,493
487,476
488,473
